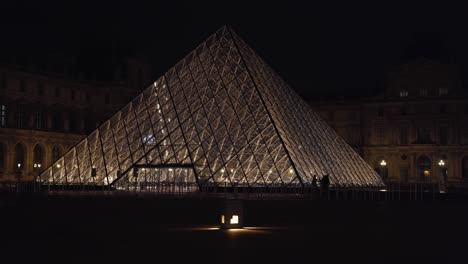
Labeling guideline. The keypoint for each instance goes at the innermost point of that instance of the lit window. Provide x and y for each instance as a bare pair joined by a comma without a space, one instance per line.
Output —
222,219
403,93
443,91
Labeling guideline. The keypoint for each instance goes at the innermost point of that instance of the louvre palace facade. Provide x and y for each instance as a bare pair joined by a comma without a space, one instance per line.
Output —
416,131
45,110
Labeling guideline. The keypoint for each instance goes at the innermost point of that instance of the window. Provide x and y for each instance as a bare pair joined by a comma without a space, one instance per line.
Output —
423,92
442,109
443,91
38,158
465,167
424,135
423,165
3,84
379,134
443,135
464,135
57,121
22,86
38,120
140,79
403,93
55,153
2,157
57,91
380,112
403,111
404,174
20,116
40,89
3,115
403,136
19,154
106,99
73,122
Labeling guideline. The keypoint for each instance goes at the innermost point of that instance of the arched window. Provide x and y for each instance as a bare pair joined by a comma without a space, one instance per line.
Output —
2,157
55,153
38,157
19,153
465,167
423,165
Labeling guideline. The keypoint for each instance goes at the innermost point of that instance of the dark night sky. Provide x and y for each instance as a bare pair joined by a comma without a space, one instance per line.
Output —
320,50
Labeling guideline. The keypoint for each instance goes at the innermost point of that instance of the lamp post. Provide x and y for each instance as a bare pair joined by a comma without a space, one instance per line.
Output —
383,163
444,175
37,171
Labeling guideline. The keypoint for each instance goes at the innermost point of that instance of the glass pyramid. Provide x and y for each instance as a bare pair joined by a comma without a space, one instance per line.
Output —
220,117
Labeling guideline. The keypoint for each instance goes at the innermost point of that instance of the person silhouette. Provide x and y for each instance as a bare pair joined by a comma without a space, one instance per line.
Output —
314,183
325,183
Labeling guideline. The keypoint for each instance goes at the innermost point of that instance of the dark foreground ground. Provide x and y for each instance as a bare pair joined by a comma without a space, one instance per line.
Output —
109,229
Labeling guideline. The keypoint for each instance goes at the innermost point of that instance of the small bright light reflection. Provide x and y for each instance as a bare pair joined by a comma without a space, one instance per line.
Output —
383,163
58,165
234,219
222,219
383,190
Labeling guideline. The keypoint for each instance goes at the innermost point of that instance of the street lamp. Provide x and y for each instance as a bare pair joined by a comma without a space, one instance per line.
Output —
383,163
444,174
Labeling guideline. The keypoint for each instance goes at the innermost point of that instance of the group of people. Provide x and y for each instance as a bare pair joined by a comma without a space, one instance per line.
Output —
323,183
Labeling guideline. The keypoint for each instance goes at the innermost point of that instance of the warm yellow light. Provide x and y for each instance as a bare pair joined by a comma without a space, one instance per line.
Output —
291,171
234,220
426,173
232,170
19,165
383,163
58,165
222,219
39,165
441,163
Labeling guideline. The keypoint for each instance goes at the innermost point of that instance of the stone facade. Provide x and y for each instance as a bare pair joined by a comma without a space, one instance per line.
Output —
43,115
420,119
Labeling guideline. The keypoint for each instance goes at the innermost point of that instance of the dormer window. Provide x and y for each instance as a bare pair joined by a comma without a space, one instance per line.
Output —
443,91
423,92
403,93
